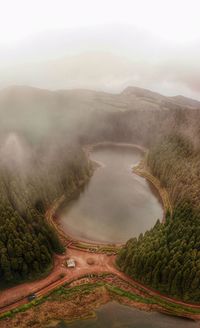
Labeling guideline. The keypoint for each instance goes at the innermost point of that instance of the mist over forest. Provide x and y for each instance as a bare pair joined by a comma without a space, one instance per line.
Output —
77,78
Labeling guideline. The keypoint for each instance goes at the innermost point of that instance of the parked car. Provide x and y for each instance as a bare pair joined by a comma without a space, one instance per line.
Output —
31,297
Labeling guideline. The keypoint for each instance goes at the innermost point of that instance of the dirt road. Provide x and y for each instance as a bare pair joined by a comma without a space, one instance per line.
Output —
102,263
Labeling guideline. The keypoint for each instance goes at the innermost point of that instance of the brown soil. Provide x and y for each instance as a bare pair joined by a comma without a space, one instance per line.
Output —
103,263
81,305
90,261
142,170
77,307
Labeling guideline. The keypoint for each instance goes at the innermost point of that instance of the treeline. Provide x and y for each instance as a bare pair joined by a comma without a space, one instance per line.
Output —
27,242
176,162
144,127
168,256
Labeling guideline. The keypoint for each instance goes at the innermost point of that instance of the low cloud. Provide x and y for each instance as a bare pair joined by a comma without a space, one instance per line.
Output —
104,59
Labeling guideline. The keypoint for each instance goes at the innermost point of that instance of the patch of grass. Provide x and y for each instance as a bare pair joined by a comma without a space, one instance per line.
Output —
170,306
131,296
98,248
66,292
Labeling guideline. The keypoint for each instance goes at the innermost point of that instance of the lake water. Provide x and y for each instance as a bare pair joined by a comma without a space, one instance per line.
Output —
116,204
114,315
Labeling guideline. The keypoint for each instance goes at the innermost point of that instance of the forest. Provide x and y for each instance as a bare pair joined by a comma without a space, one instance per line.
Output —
46,163
27,242
167,257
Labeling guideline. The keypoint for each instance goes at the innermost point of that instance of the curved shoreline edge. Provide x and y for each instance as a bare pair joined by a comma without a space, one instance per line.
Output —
142,170
110,248
187,310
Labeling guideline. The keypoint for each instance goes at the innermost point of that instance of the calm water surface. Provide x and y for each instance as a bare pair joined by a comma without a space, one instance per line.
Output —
113,315
116,204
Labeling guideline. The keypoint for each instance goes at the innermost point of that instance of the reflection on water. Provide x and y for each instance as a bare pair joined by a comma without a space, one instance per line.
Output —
113,315
116,204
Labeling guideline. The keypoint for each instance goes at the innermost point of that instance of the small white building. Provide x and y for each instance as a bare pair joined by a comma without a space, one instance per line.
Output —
71,263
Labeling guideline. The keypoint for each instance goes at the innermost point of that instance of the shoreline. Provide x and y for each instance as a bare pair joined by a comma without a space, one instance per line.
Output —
81,297
142,170
95,250
88,148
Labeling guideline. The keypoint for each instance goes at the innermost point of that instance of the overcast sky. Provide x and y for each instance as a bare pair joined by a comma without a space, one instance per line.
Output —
157,41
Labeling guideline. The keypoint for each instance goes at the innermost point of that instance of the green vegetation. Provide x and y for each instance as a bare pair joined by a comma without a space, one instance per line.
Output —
168,256
67,293
99,248
171,307
27,241
61,293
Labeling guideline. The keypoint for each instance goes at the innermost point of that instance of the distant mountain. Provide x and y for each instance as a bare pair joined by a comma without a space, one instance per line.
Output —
143,93
181,100
105,58
31,101
39,112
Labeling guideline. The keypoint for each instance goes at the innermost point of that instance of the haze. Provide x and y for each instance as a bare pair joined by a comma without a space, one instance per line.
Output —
102,45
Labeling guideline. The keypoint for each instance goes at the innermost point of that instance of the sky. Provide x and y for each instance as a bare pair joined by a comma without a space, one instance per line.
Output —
158,37
174,20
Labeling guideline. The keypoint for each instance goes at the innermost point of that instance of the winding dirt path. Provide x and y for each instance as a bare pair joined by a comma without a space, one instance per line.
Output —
103,263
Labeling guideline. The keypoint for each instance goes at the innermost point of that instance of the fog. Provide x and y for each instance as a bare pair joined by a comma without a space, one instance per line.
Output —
70,71
75,74
104,58
107,46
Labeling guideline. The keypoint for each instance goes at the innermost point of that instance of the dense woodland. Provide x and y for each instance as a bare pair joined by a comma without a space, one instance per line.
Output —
27,242
168,256
42,166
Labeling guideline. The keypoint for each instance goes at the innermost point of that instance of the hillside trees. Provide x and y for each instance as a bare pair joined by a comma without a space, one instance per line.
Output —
168,256
27,242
